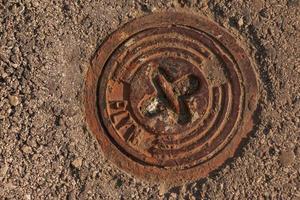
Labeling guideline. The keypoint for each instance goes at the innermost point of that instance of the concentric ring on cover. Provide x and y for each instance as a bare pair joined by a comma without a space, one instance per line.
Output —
171,96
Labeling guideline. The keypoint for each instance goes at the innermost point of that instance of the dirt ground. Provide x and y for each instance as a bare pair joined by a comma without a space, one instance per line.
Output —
46,150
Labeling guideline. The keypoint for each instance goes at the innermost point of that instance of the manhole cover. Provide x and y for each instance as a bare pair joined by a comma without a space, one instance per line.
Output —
170,96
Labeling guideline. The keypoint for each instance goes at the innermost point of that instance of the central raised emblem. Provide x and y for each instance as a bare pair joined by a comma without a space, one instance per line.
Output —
169,94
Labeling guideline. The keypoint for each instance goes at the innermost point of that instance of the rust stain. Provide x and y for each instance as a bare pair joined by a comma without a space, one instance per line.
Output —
170,100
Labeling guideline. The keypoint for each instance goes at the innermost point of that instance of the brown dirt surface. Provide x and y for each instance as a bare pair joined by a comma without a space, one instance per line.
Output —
46,148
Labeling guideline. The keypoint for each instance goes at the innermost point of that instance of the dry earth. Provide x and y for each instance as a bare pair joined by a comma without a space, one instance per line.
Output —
46,150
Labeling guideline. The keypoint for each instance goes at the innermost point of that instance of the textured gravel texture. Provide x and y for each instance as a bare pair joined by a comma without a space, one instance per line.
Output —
46,150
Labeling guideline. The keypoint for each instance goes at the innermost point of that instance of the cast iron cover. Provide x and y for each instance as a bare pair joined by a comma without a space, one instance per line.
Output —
170,96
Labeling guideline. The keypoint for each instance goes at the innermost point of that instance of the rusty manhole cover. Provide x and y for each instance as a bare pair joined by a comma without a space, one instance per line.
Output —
170,96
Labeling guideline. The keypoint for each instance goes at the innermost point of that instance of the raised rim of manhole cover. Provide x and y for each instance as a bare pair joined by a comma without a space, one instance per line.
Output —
170,96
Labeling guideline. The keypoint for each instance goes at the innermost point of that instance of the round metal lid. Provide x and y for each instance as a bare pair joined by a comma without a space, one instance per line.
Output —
170,96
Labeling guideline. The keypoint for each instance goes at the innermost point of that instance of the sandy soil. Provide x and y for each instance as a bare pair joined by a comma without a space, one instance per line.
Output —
46,150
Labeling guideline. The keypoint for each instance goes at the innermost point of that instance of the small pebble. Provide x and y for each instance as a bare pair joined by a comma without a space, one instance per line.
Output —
4,75
241,22
287,158
28,197
77,162
13,100
162,189
27,149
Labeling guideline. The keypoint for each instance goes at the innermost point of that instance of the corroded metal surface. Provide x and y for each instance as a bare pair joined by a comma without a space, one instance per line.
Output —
170,96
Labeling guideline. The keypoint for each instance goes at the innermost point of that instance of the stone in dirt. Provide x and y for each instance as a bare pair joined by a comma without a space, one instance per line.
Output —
13,100
287,158
27,149
241,22
77,162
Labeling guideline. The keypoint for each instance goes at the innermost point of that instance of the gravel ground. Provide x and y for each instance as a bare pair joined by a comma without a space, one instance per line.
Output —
46,150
